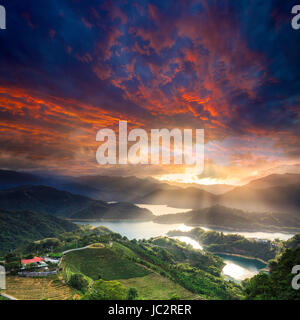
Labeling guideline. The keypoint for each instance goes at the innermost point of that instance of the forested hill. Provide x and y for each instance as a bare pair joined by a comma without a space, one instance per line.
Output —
19,228
235,219
218,242
277,285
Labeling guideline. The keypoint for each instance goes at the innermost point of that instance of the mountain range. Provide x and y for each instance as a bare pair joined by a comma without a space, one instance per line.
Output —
273,200
63,204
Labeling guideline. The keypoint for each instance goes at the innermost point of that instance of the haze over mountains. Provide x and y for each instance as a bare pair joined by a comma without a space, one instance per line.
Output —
266,196
270,201
63,204
107,188
275,180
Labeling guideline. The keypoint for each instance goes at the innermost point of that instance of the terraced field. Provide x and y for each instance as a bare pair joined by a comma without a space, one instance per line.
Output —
93,262
156,287
49,288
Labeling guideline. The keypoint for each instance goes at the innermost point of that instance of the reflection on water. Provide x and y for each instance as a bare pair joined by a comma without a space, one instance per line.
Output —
237,272
195,244
240,268
137,229
159,210
183,228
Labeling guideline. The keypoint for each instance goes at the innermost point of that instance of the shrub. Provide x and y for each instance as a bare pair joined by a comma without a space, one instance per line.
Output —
132,294
78,282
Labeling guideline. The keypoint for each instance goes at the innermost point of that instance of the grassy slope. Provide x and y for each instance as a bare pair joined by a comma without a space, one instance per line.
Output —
156,287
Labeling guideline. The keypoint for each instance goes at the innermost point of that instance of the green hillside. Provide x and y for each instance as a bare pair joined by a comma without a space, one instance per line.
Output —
105,261
118,263
197,273
19,228
157,287
277,284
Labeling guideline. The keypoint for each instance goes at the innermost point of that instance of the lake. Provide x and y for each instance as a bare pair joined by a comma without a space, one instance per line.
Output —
240,268
164,209
137,229
236,267
160,210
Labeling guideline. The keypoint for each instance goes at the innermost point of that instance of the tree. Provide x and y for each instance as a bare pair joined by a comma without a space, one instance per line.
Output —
132,294
277,284
100,276
29,256
13,267
78,281
12,263
12,257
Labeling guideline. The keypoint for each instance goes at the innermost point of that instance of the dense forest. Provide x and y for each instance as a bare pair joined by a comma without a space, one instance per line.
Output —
19,228
277,284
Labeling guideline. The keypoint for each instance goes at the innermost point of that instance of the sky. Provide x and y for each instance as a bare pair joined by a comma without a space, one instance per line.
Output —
69,68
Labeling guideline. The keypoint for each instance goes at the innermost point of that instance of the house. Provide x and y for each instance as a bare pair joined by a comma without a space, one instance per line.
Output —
35,260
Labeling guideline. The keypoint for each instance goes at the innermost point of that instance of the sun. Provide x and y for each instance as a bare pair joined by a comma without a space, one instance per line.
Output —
190,179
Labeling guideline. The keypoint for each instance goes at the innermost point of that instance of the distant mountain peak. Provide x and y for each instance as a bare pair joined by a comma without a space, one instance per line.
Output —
275,180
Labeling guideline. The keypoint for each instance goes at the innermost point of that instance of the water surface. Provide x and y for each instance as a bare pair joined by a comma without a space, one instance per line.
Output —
240,268
137,229
159,210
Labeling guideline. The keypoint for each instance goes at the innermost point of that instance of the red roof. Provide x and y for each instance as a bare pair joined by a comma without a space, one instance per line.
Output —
34,260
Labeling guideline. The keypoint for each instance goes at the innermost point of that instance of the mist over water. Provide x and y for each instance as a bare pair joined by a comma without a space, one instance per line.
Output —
195,244
160,210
